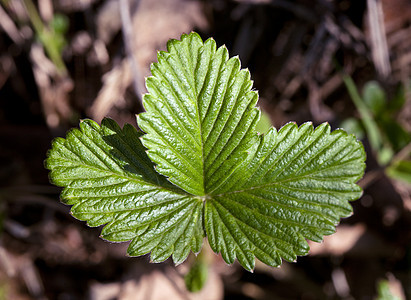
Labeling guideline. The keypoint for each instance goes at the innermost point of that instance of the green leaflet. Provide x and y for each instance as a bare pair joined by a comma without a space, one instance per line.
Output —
294,185
109,179
200,115
203,169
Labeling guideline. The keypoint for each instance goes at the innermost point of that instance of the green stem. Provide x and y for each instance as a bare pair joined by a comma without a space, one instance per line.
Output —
46,37
370,126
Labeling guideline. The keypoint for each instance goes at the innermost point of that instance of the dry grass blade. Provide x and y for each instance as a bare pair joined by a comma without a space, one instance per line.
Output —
378,39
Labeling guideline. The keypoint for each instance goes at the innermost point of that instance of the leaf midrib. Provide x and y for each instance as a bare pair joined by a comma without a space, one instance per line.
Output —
287,179
279,220
135,209
137,180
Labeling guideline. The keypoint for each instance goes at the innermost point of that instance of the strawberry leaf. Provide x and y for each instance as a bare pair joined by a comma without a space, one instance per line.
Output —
200,169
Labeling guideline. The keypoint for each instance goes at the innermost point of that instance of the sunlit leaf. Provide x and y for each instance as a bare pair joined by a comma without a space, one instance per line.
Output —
201,169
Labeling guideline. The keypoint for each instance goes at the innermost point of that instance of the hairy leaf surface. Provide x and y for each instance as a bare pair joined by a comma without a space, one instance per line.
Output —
200,169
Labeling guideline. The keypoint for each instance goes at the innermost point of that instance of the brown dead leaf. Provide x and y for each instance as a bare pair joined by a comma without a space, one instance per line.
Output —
353,239
154,23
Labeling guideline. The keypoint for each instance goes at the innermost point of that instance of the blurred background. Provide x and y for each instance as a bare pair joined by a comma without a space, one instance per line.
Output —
345,62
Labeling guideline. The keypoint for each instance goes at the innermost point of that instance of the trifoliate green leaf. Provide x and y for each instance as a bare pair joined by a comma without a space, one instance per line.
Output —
207,171
109,179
